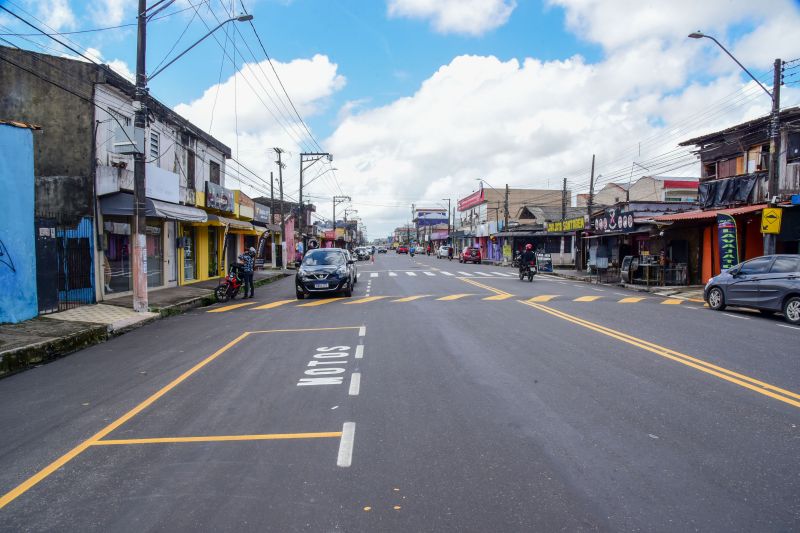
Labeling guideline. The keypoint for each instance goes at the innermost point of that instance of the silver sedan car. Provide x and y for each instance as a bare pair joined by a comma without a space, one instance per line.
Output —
770,283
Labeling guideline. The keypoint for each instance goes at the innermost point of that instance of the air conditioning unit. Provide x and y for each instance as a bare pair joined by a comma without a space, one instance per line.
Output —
128,140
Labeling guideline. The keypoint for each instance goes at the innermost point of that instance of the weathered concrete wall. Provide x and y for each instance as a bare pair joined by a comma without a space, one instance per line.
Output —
64,146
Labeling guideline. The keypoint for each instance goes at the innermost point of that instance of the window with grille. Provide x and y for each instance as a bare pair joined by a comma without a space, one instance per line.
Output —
155,141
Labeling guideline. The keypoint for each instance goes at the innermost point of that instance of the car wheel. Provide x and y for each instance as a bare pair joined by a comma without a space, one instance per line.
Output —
348,291
299,295
791,310
716,299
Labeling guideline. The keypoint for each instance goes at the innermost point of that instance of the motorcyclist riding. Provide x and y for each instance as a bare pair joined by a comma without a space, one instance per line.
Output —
527,257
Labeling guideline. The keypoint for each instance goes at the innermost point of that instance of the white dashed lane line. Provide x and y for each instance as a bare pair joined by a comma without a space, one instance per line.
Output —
360,351
345,458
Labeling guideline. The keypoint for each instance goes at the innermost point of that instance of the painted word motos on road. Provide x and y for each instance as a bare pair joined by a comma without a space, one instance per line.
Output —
326,366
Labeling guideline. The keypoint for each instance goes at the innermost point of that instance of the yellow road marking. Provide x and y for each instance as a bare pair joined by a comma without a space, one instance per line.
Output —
229,307
487,287
698,300
77,450
543,298
452,297
365,300
742,380
272,305
671,301
631,300
411,298
586,298
221,438
317,303
498,297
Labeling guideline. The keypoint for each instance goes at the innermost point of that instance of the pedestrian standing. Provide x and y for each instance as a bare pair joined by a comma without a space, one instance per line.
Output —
248,260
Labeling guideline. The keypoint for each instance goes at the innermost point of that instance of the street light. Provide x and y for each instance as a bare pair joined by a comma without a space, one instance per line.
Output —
775,139
138,259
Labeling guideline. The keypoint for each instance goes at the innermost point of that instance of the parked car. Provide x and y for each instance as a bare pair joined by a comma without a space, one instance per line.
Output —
470,254
443,252
402,249
362,254
324,271
770,283
382,249
351,264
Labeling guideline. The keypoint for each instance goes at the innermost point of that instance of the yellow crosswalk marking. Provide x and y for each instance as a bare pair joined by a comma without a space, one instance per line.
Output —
498,297
365,300
631,300
586,299
321,302
411,298
452,297
543,298
230,307
671,301
273,305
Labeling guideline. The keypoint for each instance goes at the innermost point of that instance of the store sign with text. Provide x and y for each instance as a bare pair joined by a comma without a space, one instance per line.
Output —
728,242
614,221
261,213
218,197
570,224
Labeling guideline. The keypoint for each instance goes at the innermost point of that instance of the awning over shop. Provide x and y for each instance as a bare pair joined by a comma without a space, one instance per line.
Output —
619,233
231,223
711,213
121,204
274,228
520,234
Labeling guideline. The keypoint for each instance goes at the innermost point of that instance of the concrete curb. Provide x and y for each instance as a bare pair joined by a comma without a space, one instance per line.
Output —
25,357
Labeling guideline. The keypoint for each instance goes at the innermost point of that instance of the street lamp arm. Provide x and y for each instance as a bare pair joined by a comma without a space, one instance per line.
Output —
700,35
242,18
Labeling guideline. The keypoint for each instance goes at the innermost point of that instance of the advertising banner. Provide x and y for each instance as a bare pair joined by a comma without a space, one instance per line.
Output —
431,217
728,242
218,197
614,221
261,213
571,224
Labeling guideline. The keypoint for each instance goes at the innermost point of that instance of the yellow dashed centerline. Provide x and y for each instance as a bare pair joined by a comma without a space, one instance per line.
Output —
411,298
631,300
273,305
671,301
543,298
220,438
452,297
322,302
365,300
587,298
498,297
229,307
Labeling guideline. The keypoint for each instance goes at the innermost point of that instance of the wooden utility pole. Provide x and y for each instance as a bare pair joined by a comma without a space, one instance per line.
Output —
505,210
564,200
774,149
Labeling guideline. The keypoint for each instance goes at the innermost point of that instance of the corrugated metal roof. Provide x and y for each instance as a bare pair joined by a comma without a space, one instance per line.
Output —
18,124
712,213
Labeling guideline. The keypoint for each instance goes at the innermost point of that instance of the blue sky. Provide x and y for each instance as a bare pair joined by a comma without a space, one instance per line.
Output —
417,99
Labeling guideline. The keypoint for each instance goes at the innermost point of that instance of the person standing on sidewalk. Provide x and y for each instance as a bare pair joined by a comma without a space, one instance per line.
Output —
248,260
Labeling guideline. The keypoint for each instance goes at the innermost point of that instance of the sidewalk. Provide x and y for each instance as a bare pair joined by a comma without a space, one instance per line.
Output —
692,293
48,337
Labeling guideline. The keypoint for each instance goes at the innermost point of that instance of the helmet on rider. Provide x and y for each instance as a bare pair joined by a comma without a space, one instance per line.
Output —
252,250
528,247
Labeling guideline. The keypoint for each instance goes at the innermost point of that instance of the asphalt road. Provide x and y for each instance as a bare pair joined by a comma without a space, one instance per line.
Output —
440,397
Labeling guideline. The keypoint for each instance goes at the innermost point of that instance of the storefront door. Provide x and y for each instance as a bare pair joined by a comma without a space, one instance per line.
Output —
189,254
213,252
155,254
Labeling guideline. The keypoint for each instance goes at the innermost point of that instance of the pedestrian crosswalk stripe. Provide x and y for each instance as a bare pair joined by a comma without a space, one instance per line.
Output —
321,302
429,273
273,305
411,273
452,297
373,275
631,300
502,273
484,274
587,298
411,298
392,274
543,298
498,297
230,307
464,273
364,300
447,273
671,301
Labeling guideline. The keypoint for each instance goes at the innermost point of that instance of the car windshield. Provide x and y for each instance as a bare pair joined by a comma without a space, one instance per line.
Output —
323,257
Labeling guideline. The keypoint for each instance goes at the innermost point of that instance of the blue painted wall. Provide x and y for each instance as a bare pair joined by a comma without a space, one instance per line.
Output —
18,300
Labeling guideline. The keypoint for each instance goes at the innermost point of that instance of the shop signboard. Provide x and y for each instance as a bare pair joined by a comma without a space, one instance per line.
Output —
570,224
614,221
431,217
261,213
544,262
218,197
728,242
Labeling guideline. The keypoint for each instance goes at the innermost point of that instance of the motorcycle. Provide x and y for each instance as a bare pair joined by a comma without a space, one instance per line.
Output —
515,261
527,271
229,287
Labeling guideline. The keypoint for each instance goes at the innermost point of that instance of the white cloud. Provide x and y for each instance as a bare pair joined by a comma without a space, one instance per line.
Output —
109,12
470,17
57,14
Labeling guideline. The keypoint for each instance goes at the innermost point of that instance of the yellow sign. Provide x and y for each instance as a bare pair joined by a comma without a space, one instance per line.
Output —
571,224
771,220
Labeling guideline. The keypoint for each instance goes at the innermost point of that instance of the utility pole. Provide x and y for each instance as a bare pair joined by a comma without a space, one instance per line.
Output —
774,149
505,208
278,152
412,220
337,200
271,197
564,200
304,158
139,255
590,202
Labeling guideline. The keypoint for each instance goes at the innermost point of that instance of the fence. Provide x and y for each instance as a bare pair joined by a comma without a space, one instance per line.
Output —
64,262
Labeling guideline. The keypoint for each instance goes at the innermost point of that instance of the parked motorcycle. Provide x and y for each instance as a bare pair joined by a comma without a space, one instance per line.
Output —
229,287
527,271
